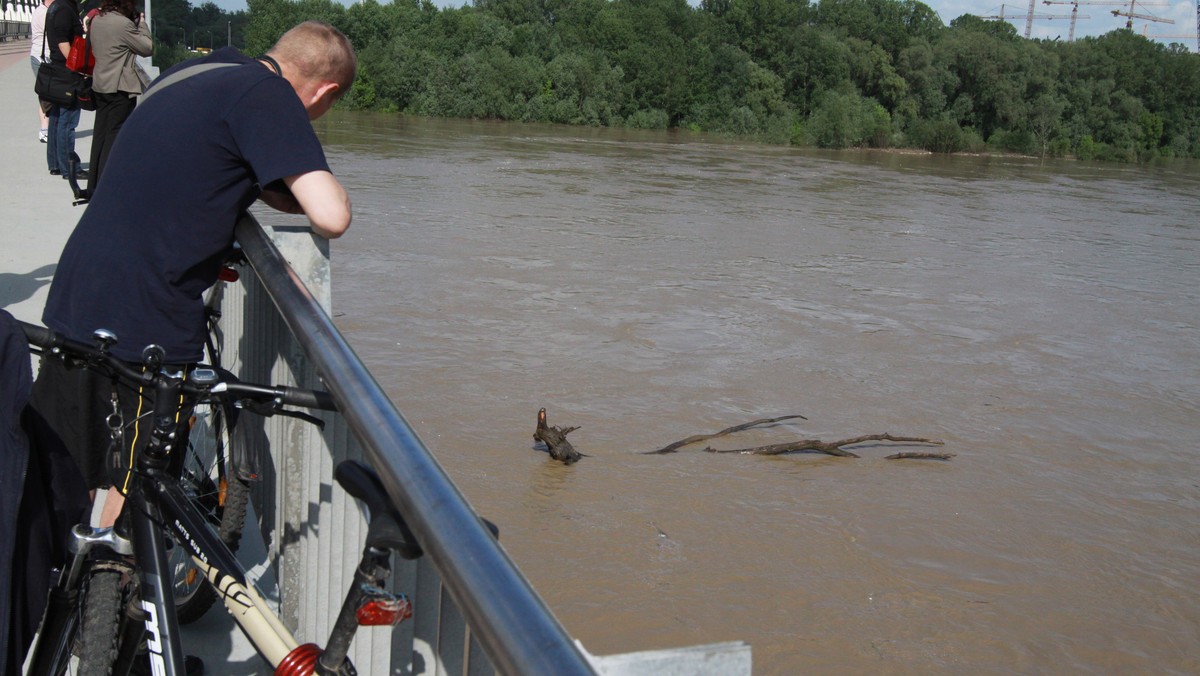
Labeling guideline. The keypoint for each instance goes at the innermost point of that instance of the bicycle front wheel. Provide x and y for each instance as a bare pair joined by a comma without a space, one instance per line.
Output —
218,493
102,605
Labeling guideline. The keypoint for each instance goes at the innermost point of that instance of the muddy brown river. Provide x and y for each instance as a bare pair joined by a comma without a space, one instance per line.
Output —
1042,318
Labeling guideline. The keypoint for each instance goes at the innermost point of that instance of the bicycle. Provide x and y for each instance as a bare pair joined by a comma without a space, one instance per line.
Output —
110,601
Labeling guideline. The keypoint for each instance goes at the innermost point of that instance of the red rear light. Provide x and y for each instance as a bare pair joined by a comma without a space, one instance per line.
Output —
228,275
381,609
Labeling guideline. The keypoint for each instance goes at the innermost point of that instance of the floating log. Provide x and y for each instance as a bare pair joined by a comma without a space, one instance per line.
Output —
920,456
560,449
832,447
671,448
806,445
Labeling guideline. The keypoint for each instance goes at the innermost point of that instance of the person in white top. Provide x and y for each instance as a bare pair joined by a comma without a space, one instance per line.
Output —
39,52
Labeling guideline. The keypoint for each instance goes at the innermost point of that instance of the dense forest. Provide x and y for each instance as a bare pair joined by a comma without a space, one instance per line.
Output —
833,74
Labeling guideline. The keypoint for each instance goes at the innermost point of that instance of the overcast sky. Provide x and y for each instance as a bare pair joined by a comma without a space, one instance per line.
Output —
1101,20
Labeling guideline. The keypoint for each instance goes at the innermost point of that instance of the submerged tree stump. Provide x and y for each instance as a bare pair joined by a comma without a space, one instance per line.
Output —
555,439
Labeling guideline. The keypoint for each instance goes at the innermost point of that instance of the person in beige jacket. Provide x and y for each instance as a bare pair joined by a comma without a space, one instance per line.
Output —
119,35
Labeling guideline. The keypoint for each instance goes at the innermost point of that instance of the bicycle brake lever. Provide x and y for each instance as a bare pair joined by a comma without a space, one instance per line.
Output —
268,408
310,419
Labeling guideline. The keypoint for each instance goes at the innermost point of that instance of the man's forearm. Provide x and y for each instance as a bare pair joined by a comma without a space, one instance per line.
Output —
324,201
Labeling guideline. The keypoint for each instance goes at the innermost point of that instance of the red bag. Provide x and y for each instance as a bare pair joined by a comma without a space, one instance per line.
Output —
81,59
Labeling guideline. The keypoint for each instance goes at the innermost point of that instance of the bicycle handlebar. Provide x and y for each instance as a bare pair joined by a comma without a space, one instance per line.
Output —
225,385
293,396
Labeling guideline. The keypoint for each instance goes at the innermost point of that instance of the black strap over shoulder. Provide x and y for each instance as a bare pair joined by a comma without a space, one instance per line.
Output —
274,64
182,74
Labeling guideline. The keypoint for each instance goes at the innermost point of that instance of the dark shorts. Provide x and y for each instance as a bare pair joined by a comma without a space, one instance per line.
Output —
81,407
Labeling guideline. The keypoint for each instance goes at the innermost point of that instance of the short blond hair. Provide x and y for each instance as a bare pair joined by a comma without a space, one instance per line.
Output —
319,52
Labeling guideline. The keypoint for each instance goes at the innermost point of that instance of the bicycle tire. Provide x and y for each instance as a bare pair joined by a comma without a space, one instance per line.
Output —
219,494
101,606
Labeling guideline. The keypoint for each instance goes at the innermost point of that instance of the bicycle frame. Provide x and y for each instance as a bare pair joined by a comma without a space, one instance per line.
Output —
158,512
158,503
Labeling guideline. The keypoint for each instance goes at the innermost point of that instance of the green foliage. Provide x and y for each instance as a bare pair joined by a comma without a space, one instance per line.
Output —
939,136
844,120
167,55
832,73
1088,149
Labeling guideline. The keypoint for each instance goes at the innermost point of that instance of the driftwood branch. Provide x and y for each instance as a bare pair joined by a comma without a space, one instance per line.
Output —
560,449
671,448
835,447
920,456
555,439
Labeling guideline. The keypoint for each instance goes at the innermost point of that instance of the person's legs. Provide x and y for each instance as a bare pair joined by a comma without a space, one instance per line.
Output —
73,405
111,112
100,130
46,106
68,120
42,119
52,138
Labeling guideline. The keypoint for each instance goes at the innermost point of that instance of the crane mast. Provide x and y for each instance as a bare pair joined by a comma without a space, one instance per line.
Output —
1076,3
1031,16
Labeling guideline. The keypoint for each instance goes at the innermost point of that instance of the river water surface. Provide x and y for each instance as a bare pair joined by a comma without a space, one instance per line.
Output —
1043,319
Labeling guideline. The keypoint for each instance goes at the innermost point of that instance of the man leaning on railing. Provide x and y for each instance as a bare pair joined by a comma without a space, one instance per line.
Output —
212,136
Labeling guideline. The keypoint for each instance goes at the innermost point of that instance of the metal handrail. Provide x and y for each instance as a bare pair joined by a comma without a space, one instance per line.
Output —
513,625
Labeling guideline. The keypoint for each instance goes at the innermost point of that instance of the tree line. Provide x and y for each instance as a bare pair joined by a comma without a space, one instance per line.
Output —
832,74
180,29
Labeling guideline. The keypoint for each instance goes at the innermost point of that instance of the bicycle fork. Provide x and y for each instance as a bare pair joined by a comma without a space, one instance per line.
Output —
52,650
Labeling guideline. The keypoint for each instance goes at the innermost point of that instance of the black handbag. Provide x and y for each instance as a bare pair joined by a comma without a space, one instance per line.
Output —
62,86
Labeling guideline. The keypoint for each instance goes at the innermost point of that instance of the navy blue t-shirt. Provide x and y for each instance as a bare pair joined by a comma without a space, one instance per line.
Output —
186,165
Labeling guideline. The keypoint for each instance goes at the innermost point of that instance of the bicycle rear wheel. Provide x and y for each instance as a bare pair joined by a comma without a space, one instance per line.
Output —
218,493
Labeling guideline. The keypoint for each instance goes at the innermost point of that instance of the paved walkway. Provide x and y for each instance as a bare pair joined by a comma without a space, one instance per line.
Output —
37,219
36,207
